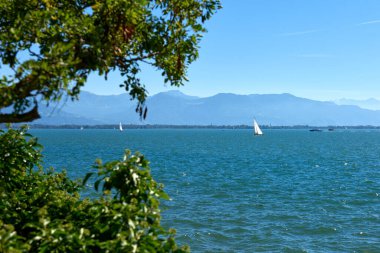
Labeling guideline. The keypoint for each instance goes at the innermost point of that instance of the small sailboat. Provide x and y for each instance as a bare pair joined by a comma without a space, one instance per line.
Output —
120,127
256,128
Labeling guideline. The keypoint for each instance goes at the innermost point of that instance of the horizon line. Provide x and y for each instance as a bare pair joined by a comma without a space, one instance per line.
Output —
179,126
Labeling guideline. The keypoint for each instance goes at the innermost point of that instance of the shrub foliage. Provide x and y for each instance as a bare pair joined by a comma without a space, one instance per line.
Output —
42,211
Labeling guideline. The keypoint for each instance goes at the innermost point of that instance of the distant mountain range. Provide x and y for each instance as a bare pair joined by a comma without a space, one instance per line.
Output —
176,108
371,104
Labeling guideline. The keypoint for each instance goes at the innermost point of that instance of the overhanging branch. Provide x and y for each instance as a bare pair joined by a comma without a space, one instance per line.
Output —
18,118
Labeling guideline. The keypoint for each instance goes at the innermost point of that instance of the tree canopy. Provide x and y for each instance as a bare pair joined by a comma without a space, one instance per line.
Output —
51,46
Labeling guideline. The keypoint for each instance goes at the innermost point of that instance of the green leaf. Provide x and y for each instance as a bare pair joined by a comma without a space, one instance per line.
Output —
88,175
96,185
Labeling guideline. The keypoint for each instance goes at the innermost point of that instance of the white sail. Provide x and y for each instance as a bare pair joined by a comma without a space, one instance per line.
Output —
256,128
120,127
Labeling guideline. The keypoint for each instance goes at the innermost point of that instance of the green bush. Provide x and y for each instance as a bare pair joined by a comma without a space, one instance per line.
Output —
42,211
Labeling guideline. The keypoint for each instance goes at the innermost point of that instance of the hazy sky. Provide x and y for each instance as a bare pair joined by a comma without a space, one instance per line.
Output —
319,49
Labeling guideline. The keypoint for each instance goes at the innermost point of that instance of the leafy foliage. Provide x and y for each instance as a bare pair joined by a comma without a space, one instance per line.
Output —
52,46
43,212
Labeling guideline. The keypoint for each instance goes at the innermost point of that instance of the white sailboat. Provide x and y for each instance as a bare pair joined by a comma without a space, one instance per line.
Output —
256,128
120,127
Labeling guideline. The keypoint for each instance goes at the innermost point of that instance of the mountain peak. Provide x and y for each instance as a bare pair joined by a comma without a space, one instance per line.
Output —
175,93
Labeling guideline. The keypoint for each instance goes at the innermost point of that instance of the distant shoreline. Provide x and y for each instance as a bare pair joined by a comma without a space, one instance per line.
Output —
158,126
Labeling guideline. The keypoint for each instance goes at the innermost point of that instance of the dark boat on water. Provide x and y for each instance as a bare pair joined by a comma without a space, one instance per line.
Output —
315,130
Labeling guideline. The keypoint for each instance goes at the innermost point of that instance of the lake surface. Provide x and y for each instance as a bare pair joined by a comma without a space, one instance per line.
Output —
286,191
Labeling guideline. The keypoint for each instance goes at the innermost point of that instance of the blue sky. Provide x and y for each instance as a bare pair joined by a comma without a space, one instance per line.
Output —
318,49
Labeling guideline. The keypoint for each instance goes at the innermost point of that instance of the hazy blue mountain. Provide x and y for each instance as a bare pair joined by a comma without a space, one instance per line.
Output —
175,93
57,116
176,108
371,103
106,109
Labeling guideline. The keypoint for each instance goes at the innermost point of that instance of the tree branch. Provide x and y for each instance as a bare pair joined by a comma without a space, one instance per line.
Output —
17,118
142,57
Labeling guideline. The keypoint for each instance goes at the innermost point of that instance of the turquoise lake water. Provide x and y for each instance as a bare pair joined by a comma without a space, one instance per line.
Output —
286,191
